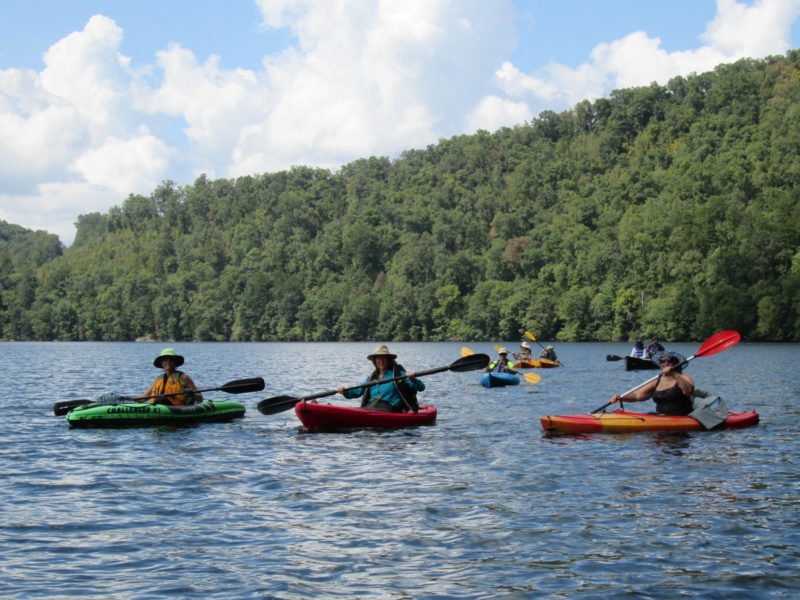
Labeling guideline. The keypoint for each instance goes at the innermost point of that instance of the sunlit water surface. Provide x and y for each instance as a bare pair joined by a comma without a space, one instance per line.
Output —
482,505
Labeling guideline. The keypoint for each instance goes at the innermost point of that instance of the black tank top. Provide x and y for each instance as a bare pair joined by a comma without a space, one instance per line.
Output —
672,401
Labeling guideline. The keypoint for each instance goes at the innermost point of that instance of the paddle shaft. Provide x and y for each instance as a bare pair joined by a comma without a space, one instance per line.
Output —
371,383
641,385
719,342
530,336
271,406
239,386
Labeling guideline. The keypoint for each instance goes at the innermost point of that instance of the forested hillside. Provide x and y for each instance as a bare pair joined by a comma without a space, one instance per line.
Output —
662,210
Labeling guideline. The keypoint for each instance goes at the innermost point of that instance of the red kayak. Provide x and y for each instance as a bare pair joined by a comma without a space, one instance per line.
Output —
332,417
623,421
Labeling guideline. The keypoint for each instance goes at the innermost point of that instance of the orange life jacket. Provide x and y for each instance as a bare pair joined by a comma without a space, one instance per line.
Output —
169,384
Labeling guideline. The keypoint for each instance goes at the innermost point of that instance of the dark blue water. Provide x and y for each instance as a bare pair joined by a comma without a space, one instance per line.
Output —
480,506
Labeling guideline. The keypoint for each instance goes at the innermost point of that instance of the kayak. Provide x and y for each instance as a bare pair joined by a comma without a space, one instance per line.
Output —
491,380
639,364
333,417
622,421
546,363
527,364
139,414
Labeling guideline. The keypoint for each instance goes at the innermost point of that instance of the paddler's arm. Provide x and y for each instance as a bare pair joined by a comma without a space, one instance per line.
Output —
413,383
640,395
191,388
353,393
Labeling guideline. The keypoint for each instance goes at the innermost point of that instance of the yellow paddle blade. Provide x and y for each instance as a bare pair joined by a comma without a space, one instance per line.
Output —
532,377
466,351
530,336
496,347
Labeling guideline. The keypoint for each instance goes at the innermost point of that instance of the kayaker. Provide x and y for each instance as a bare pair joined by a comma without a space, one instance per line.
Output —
172,381
653,349
395,396
502,364
549,353
638,350
524,352
671,391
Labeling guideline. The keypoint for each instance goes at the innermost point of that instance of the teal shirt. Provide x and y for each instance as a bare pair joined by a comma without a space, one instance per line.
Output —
387,392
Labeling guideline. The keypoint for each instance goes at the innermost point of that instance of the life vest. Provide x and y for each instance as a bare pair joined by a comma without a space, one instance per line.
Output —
408,395
170,384
672,401
497,367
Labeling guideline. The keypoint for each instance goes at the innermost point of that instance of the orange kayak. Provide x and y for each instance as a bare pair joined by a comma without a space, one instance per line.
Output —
541,363
623,421
546,363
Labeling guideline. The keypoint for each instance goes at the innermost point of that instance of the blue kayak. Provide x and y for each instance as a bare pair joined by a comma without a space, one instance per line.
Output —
491,380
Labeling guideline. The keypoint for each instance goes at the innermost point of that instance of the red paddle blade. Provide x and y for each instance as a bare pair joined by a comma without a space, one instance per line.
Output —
719,342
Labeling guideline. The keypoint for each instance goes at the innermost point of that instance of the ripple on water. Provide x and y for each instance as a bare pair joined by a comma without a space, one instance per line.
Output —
482,505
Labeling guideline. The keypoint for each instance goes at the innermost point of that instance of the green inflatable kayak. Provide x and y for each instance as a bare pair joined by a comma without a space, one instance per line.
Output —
138,414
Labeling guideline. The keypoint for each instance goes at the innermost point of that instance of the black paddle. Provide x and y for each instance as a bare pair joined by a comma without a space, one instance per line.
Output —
278,404
719,342
611,357
239,386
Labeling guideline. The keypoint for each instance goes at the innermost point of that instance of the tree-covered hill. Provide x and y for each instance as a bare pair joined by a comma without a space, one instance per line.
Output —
661,210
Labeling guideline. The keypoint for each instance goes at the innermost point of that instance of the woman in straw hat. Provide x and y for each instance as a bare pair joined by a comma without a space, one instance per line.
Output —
394,396
172,386
524,352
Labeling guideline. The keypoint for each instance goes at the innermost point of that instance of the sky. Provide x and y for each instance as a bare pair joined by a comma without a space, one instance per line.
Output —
100,99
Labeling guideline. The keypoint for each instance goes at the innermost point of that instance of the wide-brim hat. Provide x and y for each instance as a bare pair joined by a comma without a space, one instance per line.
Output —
177,359
659,356
524,345
381,351
502,351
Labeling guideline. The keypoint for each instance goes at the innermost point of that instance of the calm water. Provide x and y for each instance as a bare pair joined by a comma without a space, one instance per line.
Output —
480,506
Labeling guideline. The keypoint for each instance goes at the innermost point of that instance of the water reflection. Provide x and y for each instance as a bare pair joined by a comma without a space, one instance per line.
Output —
482,505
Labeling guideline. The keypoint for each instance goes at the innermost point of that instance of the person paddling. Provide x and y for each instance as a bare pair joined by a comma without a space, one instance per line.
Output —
524,353
502,364
549,353
394,396
172,381
671,391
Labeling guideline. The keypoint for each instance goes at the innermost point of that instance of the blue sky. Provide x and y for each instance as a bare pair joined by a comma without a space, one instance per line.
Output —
103,98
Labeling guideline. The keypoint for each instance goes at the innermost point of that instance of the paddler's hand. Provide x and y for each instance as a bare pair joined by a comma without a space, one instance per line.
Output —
340,389
615,399
410,374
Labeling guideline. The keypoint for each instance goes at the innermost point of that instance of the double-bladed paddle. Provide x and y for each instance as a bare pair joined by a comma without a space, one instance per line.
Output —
238,386
271,406
719,342
529,377
531,337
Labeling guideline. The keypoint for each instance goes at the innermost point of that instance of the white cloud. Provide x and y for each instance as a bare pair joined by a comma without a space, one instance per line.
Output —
54,207
133,166
760,29
68,143
364,77
372,77
494,112
738,30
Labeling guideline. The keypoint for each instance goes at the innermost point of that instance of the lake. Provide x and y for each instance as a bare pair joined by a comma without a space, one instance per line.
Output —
481,505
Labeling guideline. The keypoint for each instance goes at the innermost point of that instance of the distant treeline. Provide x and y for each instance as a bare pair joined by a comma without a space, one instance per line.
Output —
671,211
